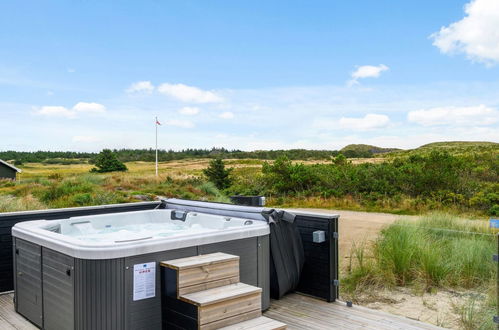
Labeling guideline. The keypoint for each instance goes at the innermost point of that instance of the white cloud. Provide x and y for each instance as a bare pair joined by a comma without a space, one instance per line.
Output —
55,111
479,115
80,107
85,138
367,71
306,116
179,123
476,35
189,111
186,93
226,115
368,122
89,107
141,87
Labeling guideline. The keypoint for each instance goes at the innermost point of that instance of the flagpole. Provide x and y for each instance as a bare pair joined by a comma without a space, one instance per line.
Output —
156,124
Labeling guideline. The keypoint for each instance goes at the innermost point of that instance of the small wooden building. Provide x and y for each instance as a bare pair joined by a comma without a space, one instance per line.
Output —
8,171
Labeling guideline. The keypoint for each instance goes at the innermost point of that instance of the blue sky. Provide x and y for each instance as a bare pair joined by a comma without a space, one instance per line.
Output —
85,75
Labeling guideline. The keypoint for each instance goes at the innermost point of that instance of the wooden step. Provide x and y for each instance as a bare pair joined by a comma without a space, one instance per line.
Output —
236,319
229,301
220,294
204,272
200,260
259,323
205,291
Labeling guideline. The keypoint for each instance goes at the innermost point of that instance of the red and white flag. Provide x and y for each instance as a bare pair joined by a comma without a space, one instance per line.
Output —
157,122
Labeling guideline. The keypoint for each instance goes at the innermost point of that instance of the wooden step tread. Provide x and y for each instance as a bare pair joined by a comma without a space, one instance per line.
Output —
259,323
221,293
231,320
198,261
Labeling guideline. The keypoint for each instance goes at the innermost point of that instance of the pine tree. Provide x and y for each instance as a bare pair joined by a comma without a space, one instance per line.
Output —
218,174
106,161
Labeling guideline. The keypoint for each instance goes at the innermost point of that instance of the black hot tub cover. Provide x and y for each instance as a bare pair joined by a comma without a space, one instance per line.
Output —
286,249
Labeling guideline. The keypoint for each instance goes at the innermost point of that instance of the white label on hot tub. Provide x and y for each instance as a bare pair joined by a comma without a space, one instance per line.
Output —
144,281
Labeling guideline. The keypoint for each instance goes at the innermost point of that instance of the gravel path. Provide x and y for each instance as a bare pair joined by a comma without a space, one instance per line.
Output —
358,227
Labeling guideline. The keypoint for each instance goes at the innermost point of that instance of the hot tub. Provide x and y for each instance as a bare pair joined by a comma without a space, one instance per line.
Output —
81,272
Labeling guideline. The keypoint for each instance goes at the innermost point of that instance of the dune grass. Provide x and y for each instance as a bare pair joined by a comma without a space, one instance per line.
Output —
438,252
440,249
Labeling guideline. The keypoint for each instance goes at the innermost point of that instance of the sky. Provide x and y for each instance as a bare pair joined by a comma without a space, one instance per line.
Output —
248,75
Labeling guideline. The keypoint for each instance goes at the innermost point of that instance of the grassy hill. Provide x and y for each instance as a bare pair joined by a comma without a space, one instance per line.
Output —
364,150
452,147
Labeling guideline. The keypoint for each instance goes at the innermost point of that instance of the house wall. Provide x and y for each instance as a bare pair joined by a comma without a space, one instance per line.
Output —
7,172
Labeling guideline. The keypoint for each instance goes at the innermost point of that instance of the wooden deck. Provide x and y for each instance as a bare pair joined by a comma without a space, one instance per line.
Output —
298,311
9,319
302,312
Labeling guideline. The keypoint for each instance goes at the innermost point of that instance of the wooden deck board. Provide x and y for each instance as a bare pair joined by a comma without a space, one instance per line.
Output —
9,319
219,294
259,323
302,312
297,311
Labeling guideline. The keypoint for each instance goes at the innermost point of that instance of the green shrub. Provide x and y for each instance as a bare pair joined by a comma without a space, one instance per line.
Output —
494,210
82,199
421,182
106,161
65,188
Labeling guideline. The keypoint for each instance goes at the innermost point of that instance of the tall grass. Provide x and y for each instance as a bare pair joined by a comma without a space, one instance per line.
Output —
9,203
476,313
56,190
439,251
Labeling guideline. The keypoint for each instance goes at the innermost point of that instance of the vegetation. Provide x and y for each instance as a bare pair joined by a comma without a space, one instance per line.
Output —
435,253
440,177
417,183
456,148
106,161
148,155
218,174
364,150
439,251
56,191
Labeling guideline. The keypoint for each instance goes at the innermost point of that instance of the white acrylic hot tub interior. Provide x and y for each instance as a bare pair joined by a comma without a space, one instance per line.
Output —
132,226
131,233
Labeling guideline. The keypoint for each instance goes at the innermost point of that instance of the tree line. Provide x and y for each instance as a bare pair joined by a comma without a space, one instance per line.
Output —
128,155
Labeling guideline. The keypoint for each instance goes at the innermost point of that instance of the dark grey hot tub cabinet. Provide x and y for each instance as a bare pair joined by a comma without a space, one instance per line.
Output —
56,291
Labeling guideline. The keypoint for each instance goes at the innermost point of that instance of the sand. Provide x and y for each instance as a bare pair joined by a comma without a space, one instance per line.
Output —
439,308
